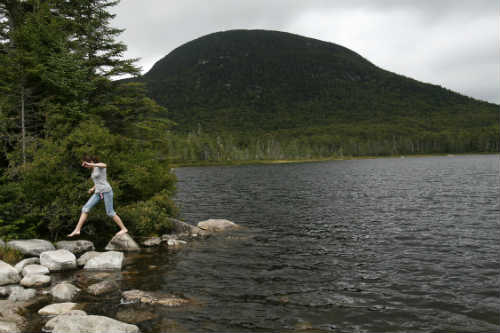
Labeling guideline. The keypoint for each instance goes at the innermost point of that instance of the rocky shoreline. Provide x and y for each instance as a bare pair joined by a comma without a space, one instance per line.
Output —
29,284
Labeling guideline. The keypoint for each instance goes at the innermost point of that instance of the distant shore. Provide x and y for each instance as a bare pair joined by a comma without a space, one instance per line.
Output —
343,158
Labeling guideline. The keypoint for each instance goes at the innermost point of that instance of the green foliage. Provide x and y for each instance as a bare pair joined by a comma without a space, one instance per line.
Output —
10,255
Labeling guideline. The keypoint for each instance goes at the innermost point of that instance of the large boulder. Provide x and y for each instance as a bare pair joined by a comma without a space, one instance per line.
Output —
57,309
8,274
91,324
31,247
35,269
186,229
215,225
82,260
107,261
122,242
64,292
28,261
35,280
76,247
49,326
21,294
58,260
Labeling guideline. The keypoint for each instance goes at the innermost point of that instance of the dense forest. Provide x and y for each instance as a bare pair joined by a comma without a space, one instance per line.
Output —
58,101
257,94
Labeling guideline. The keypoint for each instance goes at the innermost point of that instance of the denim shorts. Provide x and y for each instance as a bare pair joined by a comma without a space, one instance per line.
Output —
95,198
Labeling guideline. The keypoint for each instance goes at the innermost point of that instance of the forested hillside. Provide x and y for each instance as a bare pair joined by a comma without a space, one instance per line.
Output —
58,102
256,94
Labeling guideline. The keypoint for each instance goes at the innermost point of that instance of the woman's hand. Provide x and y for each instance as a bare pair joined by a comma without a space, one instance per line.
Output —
91,190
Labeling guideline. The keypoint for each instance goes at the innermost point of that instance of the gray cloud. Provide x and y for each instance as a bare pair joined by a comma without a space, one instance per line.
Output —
453,43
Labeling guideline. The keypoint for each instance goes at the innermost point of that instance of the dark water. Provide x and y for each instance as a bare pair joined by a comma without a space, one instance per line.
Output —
385,245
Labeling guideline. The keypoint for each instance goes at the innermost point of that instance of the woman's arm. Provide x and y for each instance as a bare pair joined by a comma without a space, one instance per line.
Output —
99,165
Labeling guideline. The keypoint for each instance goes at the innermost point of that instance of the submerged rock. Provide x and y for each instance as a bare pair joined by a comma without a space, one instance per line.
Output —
31,247
133,316
103,287
111,260
8,274
64,292
35,269
28,261
58,260
86,257
35,280
215,225
90,324
56,309
76,247
122,242
136,295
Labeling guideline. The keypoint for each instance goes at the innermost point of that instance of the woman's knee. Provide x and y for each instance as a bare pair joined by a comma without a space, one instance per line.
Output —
111,213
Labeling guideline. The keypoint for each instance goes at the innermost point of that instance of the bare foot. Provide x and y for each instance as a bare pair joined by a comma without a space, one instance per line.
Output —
121,232
74,233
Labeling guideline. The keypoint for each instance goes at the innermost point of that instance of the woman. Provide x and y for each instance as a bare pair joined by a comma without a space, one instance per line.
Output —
102,191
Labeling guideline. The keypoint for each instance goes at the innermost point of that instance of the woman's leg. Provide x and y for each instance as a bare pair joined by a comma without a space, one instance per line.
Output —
108,203
93,200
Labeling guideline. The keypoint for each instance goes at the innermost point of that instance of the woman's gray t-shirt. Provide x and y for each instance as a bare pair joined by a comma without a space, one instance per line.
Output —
99,177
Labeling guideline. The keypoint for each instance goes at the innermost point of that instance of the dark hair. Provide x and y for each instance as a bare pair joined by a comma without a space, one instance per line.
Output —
88,158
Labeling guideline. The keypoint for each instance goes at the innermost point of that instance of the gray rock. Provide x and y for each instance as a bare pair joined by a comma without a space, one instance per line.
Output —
35,269
215,225
64,292
58,260
146,297
57,309
176,243
6,290
9,327
31,247
49,326
122,242
28,261
92,324
76,247
152,241
111,260
86,256
8,274
180,227
35,280
103,287
21,294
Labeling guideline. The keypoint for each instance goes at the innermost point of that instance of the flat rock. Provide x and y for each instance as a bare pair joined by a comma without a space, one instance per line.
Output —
28,261
64,292
21,294
31,247
215,225
82,260
111,260
76,247
56,309
136,295
35,280
152,241
103,287
122,242
92,324
58,260
8,274
49,326
35,269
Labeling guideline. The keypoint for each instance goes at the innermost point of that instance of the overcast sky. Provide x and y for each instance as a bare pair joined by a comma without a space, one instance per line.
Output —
452,43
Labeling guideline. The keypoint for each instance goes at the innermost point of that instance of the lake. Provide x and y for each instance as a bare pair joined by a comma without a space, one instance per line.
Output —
376,245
